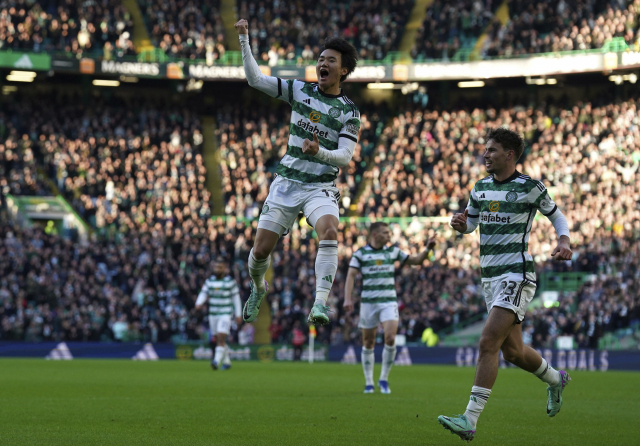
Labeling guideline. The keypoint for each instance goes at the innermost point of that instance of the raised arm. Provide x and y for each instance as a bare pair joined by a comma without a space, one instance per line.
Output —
419,258
273,86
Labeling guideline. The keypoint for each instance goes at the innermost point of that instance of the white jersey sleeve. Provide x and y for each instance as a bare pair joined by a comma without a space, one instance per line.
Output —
541,200
267,84
237,304
355,260
202,297
473,216
347,140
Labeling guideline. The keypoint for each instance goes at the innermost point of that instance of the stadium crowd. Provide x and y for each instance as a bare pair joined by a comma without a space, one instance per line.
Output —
543,27
184,29
449,25
99,28
532,27
135,174
290,31
608,301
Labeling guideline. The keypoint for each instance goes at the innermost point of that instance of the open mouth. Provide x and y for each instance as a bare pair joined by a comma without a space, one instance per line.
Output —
324,74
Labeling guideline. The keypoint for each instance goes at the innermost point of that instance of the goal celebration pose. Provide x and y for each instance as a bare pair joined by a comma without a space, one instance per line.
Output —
379,305
504,205
322,137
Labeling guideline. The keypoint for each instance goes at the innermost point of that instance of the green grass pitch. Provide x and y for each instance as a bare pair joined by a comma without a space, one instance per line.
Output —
121,402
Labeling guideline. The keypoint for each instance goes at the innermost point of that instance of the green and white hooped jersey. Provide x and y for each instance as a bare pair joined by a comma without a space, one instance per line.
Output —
506,210
377,267
331,117
222,295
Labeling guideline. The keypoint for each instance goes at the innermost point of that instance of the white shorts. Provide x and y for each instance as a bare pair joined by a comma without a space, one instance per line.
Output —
510,292
219,324
373,314
287,198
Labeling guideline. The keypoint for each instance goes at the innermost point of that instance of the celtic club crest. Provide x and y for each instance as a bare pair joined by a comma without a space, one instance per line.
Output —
334,112
512,196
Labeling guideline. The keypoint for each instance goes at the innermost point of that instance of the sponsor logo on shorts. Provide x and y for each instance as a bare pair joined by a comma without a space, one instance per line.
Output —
494,206
512,197
334,112
315,116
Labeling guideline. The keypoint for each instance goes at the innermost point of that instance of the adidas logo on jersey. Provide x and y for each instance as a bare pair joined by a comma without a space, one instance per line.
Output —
482,196
307,101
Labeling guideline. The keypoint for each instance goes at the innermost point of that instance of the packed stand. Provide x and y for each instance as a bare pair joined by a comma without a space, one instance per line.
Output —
543,27
102,28
136,174
137,287
448,26
252,142
154,238
186,29
124,167
607,302
292,31
18,163
588,156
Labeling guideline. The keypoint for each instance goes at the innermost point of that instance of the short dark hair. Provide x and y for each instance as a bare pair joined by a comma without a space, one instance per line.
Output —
348,54
508,139
377,225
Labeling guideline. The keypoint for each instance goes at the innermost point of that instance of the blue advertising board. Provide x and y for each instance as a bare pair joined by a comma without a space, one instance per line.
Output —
581,359
73,350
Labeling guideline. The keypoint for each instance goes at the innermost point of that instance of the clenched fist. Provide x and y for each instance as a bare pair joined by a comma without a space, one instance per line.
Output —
242,26
459,221
311,147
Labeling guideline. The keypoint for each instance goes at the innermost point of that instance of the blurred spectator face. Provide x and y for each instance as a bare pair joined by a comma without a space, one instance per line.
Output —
496,159
329,68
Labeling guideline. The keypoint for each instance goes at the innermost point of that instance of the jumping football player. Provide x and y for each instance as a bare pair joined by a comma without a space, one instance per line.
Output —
322,137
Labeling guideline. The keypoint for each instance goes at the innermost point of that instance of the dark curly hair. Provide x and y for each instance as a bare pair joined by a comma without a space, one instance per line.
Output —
349,55
508,139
